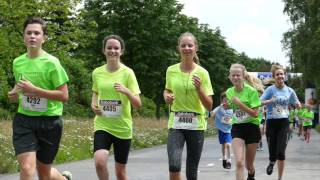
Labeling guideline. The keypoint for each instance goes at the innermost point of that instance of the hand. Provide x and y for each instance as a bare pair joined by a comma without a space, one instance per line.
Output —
196,81
273,99
120,88
236,100
169,98
26,86
95,108
13,95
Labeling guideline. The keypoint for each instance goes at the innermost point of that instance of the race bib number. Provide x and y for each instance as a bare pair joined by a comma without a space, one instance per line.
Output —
241,116
111,108
34,103
226,119
185,120
279,111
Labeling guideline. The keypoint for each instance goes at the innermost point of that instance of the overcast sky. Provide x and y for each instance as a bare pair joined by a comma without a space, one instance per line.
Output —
255,27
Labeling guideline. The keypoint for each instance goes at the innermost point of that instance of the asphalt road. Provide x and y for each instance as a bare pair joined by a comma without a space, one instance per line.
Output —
303,163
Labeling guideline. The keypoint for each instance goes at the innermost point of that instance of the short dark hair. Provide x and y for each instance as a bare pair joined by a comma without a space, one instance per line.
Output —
116,37
36,20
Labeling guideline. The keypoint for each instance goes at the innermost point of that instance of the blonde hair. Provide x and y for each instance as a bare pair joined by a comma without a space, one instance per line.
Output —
276,67
251,80
188,34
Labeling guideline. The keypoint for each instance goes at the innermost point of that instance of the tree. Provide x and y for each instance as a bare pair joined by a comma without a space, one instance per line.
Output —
303,40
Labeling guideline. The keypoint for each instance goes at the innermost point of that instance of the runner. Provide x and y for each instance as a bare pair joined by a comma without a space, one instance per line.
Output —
223,121
115,89
307,117
244,100
277,98
188,92
41,88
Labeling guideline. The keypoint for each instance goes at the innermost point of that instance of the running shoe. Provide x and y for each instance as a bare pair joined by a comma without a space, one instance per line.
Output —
224,163
67,175
251,176
228,165
270,168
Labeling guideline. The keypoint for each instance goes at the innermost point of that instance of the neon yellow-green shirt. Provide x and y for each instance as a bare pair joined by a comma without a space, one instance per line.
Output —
307,118
116,118
248,96
45,72
187,111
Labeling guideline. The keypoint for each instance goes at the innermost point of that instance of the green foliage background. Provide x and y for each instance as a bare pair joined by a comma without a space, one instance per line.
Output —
150,29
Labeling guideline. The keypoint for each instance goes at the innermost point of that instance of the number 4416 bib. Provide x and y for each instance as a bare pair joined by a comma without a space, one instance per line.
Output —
185,120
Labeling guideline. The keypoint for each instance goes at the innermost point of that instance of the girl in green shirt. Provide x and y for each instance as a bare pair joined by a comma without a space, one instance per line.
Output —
244,100
114,90
188,92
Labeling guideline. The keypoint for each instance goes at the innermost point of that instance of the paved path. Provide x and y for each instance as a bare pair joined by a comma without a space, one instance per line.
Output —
303,163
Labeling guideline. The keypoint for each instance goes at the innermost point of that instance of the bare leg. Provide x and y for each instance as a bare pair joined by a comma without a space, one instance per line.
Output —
27,162
121,171
47,172
238,147
250,157
175,176
280,168
100,159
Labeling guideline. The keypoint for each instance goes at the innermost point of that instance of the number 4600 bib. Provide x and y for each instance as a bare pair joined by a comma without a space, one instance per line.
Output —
185,120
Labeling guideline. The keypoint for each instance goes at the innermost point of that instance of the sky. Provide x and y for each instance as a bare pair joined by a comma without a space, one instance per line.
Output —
254,27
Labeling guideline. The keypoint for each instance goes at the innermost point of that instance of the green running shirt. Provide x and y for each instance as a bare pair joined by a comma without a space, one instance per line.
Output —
248,96
116,107
187,111
45,72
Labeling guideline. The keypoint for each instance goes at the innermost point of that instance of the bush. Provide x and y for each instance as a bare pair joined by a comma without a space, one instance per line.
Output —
4,114
148,108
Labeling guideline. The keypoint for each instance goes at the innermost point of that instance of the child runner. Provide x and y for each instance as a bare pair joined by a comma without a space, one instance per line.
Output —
307,117
244,100
223,120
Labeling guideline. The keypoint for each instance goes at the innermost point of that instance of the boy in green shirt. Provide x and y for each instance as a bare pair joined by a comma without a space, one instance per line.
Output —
307,117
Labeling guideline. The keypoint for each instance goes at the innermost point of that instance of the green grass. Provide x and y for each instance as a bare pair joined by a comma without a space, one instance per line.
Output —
77,140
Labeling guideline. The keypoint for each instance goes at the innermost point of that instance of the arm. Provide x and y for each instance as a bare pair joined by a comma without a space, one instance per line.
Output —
134,99
13,95
205,100
251,111
59,94
94,104
168,96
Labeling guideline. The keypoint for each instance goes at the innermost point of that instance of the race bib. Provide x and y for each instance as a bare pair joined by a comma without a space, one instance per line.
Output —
111,108
185,120
34,103
241,116
227,119
279,111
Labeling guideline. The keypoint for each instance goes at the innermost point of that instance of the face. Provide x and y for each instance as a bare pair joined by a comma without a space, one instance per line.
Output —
236,76
187,46
33,36
279,76
113,49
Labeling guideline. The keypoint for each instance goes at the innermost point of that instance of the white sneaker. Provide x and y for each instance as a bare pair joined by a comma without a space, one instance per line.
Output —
67,175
